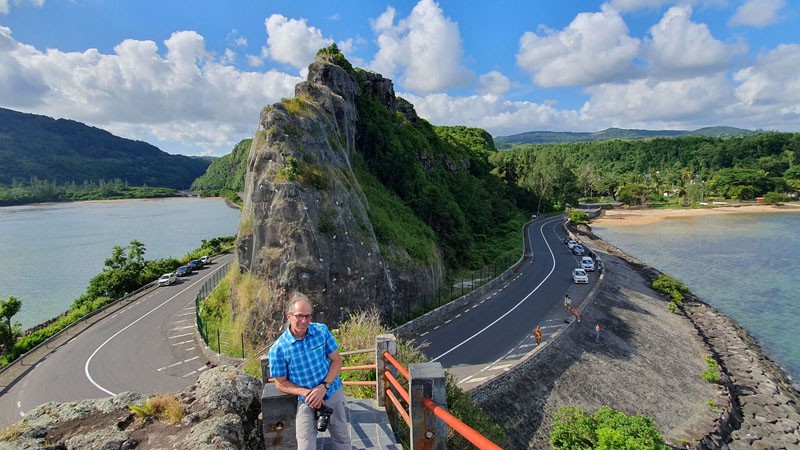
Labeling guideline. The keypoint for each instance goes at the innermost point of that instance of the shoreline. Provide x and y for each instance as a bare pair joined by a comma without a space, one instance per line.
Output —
623,217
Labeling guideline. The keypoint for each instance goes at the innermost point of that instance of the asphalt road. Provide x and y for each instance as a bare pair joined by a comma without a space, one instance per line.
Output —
494,331
148,347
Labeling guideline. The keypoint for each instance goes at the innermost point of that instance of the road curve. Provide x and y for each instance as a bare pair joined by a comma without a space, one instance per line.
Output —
495,329
148,347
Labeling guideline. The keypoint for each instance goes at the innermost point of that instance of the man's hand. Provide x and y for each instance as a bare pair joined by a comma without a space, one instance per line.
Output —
315,397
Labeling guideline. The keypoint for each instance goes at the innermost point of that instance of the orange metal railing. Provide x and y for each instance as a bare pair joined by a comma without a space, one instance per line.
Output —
477,439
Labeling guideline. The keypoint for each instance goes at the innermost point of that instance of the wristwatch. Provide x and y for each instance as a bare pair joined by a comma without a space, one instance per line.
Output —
327,385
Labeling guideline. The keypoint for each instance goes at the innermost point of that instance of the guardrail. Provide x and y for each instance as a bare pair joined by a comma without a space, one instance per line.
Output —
422,404
82,321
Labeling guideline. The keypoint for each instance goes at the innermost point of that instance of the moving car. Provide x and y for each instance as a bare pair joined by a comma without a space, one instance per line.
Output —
205,259
195,264
587,264
577,249
183,271
580,276
167,279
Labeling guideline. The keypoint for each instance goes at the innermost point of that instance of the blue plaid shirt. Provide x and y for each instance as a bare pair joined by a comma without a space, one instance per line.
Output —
304,361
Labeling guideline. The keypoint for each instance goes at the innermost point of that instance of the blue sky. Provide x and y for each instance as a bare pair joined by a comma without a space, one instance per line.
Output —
191,76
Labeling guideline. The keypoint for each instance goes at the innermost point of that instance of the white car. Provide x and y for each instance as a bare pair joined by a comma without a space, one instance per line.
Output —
571,243
579,276
167,279
205,259
587,264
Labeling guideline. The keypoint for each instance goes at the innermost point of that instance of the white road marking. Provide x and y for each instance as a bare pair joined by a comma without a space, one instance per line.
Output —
448,321
501,367
457,316
182,321
89,360
191,359
191,313
423,334
180,335
183,328
181,343
515,356
436,327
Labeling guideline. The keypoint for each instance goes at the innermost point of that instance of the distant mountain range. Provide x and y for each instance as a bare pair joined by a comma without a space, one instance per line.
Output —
68,151
552,137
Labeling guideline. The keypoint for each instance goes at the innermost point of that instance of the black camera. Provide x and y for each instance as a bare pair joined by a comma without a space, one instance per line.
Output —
323,415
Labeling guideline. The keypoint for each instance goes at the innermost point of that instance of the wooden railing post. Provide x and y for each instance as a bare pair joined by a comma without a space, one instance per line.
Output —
427,381
383,343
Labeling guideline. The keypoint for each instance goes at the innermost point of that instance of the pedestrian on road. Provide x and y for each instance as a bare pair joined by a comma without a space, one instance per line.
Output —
597,332
537,333
305,362
567,302
575,313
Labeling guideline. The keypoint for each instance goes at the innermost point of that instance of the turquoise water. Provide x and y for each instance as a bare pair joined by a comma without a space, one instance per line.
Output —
747,266
48,253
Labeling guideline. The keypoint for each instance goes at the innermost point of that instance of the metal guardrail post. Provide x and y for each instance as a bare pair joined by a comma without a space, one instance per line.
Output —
427,381
278,411
383,343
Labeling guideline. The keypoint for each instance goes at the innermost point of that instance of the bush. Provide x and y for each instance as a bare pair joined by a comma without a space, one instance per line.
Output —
711,374
165,408
579,217
676,290
606,429
774,198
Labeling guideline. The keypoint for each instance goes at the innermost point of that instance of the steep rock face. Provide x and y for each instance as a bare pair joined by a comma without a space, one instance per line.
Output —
304,223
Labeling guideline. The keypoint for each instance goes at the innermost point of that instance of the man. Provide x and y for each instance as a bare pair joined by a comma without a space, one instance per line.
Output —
305,361
537,333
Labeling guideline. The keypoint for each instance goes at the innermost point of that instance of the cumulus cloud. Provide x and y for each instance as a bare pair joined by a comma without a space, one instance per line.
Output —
494,82
594,48
293,41
772,82
424,49
184,95
235,39
680,47
758,13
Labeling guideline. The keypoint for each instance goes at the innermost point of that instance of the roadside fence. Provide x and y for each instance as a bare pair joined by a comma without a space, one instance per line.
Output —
213,335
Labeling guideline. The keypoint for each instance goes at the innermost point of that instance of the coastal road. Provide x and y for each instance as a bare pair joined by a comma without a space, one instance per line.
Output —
486,336
147,347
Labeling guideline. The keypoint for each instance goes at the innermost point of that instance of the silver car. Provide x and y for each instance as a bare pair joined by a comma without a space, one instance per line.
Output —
587,264
167,279
579,276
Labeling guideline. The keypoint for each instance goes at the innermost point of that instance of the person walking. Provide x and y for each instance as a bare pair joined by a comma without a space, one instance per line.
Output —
576,314
537,333
597,332
567,303
305,361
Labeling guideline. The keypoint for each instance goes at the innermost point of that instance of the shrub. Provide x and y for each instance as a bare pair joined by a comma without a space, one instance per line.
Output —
579,217
606,429
672,307
775,198
711,374
672,287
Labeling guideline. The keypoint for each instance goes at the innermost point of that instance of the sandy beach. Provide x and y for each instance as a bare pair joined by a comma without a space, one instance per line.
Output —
620,217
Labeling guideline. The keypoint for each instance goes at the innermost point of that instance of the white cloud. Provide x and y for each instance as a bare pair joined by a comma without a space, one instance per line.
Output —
636,5
424,49
680,47
772,83
595,48
659,104
758,13
183,96
495,114
292,41
235,39
494,82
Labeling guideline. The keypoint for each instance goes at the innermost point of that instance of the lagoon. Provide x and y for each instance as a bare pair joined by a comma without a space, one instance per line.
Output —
744,265
49,252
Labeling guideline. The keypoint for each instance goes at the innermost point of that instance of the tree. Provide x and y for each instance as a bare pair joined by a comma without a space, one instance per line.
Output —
606,429
8,309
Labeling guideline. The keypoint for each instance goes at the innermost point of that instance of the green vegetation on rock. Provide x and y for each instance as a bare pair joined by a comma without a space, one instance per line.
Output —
225,176
606,429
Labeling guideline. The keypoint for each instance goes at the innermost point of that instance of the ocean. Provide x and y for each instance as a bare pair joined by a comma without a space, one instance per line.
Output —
745,265
49,252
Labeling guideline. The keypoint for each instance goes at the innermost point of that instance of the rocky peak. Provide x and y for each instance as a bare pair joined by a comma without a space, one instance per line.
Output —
305,223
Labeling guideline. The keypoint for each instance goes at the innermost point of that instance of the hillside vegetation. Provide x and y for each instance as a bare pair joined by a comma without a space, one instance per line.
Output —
688,170
225,176
555,137
43,158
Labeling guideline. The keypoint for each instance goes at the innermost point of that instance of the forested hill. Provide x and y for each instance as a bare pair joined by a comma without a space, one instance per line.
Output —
551,137
64,151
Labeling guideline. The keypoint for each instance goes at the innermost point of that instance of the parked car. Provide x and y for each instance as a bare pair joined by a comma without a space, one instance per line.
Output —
183,271
587,264
577,249
205,259
579,275
167,279
571,243
195,264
